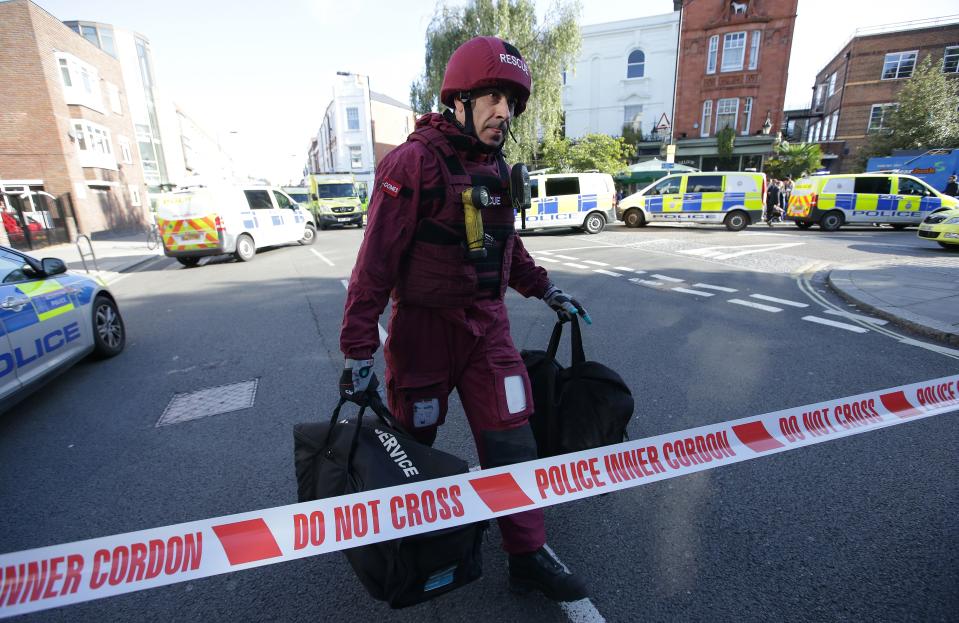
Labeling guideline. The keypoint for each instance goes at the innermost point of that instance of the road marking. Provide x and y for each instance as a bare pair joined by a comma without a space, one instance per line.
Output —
952,352
383,333
696,292
645,282
322,257
546,252
711,287
768,308
547,259
773,299
606,272
628,269
582,611
859,317
574,265
665,278
833,323
566,257
719,253
595,263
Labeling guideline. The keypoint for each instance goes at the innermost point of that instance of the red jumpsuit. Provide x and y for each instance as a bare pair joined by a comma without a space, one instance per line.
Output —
449,327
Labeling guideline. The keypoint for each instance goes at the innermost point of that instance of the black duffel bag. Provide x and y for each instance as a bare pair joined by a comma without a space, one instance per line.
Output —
350,455
586,405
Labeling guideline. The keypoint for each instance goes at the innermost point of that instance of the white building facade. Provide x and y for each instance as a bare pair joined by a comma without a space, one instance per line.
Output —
344,143
625,74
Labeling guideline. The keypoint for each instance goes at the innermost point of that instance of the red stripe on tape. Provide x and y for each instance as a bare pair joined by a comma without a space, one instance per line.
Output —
896,403
755,435
247,541
500,492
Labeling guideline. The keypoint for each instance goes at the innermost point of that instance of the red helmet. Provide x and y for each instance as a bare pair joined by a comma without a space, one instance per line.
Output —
486,62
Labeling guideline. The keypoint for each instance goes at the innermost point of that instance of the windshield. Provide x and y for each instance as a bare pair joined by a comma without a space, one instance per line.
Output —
335,191
300,197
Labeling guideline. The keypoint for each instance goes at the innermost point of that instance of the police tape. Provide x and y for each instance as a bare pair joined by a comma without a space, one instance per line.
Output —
59,575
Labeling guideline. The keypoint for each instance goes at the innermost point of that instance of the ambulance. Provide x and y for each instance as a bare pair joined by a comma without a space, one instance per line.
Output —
863,199
734,199
333,200
583,201
196,222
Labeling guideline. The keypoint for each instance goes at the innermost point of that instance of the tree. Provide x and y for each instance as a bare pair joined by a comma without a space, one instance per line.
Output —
926,116
548,50
606,154
793,159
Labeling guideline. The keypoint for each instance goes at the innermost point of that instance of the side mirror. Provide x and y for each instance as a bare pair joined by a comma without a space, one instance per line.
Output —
53,266
313,196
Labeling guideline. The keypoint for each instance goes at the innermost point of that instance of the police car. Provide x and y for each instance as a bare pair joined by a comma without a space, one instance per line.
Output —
49,320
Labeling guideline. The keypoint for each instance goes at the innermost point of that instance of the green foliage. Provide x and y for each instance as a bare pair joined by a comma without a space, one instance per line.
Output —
927,115
793,159
725,140
606,154
632,135
548,49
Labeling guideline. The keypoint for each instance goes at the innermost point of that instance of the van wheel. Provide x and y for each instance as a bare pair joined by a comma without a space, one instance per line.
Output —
309,235
899,226
245,249
594,223
634,218
803,224
189,262
736,221
831,221
109,334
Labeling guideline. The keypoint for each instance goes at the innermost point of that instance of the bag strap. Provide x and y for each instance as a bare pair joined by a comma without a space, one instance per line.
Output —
577,346
554,340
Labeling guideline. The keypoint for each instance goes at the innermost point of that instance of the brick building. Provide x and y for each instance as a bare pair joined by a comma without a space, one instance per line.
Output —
67,159
855,91
733,57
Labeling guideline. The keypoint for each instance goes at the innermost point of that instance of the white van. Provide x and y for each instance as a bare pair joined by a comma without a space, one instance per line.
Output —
581,200
200,221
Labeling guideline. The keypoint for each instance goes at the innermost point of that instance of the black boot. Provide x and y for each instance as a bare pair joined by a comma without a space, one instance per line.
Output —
541,571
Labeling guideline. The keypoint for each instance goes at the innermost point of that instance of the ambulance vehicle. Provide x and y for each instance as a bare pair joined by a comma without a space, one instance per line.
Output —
734,199
202,221
334,200
863,199
580,200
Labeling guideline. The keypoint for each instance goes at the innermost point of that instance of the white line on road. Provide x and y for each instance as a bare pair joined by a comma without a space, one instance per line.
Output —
566,257
607,272
859,317
595,263
547,259
833,323
696,292
383,333
711,287
665,278
575,265
645,282
768,308
322,257
628,269
773,299
582,611
952,352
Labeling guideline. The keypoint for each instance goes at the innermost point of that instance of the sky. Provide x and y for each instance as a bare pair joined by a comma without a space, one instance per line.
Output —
261,73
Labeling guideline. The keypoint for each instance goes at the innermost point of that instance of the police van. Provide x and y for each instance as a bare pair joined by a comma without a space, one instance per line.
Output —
862,199
580,200
734,199
196,222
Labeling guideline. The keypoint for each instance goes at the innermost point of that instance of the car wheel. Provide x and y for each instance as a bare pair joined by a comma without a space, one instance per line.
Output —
634,218
899,226
189,262
309,235
594,223
803,224
736,221
245,249
950,247
830,221
109,334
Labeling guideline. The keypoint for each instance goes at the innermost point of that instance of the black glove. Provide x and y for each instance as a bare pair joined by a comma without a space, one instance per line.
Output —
564,305
358,381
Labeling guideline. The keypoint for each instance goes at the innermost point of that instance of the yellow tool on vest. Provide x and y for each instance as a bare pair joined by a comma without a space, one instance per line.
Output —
474,200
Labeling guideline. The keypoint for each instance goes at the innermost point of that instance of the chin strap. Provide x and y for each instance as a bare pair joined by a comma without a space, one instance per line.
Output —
470,128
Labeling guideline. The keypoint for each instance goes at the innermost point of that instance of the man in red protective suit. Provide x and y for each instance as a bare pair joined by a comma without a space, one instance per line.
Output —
449,327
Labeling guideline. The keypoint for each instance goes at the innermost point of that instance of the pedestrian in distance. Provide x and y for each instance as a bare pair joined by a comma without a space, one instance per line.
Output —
773,199
449,326
952,187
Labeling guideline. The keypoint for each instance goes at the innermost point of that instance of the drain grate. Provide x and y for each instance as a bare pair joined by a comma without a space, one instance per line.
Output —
210,401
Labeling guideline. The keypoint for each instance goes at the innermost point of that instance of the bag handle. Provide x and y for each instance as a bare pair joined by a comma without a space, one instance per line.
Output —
576,344
554,340
376,406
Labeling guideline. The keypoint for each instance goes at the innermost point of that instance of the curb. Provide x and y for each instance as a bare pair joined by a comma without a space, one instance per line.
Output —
842,285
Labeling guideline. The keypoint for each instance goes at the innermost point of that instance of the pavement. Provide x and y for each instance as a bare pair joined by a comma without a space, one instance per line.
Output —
919,294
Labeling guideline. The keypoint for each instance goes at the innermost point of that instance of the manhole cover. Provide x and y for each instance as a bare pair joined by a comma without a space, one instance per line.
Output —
209,401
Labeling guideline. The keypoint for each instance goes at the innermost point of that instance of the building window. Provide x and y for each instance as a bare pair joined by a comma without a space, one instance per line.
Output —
126,155
134,195
97,34
93,145
832,127
633,117
832,85
727,110
950,60
353,118
754,49
114,93
820,92
734,48
636,64
879,117
356,156
825,128
65,72
143,59
704,126
747,114
711,57
898,65
81,82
